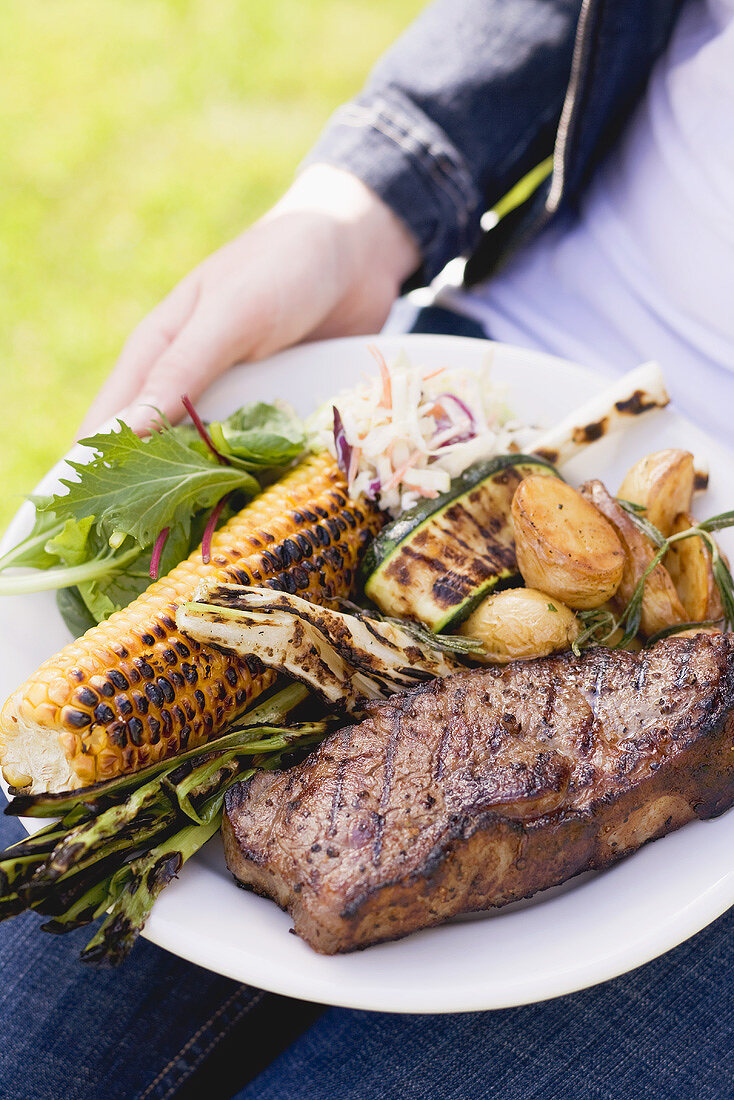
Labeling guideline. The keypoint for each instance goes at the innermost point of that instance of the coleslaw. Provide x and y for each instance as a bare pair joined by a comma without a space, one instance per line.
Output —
405,433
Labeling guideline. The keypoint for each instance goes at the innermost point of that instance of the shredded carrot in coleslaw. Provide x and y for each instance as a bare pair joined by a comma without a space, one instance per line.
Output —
386,398
405,433
398,476
353,465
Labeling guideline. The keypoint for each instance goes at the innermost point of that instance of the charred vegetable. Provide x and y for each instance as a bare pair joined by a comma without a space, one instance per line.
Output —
120,842
635,394
565,547
131,692
438,560
345,658
521,623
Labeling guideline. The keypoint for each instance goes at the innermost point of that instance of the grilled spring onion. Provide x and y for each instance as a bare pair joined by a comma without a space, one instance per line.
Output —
345,658
119,843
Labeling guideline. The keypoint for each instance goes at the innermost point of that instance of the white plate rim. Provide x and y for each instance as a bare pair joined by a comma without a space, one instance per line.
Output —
707,908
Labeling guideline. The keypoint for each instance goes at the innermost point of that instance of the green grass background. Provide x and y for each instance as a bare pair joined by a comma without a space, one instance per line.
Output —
136,138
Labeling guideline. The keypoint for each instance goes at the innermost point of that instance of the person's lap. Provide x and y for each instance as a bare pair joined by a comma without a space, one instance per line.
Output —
71,1031
141,1031
663,1032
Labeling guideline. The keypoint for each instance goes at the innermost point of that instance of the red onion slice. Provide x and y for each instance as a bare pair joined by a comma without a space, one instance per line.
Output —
211,524
462,405
461,436
155,557
343,449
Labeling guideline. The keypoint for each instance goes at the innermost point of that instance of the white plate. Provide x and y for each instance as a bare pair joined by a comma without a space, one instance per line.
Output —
589,930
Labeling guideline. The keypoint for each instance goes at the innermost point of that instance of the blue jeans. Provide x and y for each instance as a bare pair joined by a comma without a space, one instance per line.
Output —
661,1033
72,1033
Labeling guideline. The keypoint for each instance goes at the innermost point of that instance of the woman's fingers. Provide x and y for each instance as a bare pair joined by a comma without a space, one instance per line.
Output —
201,351
145,345
329,258
143,348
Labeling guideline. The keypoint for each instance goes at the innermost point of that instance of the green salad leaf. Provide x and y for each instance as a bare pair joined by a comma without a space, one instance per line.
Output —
139,486
74,611
72,544
94,542
111,593
31,551
260,436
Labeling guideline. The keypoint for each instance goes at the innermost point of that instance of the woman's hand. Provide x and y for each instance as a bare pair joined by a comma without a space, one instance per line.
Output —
327,260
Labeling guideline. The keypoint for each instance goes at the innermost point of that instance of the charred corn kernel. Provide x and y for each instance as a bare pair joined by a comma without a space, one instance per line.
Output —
134,690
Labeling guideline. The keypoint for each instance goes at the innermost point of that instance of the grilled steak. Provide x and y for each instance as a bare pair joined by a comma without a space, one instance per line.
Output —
483,788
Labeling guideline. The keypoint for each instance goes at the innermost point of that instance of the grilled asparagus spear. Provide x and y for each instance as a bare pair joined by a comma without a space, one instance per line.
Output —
121,842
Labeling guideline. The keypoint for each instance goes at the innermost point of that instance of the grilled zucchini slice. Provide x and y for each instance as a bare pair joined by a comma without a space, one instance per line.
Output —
435,562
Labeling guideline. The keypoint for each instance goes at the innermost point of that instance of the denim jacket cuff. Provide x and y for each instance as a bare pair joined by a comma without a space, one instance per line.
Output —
410,162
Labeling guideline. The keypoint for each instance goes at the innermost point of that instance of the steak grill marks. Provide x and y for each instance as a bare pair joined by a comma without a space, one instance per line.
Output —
386,787
485,787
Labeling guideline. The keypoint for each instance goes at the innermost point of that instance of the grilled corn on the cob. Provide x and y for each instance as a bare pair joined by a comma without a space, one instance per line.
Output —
134,689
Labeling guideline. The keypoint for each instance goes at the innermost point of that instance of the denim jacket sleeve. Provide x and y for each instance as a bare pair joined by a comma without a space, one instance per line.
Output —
463,104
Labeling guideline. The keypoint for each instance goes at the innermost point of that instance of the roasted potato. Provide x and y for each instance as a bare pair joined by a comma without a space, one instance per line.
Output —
690,565
661,606
520,623
564,546
662,483
694,630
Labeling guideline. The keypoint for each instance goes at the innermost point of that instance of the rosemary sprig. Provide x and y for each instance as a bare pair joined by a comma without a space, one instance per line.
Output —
457,645
677,627
601,624
717,523
634,511
725,584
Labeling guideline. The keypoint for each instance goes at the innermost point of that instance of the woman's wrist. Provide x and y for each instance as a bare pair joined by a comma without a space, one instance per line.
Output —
373,242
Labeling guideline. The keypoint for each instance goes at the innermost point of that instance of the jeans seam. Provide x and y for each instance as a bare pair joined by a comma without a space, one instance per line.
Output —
416,142
212,1043
197,1035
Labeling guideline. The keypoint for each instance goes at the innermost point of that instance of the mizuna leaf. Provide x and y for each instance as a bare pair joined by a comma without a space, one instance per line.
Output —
118,589
141,486
32,550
